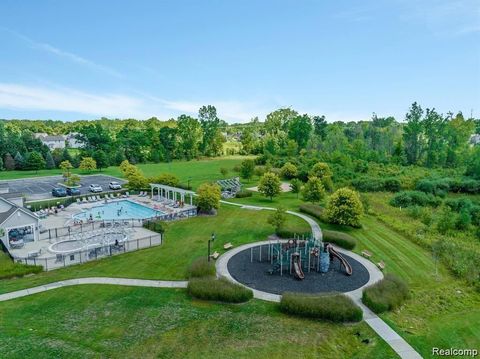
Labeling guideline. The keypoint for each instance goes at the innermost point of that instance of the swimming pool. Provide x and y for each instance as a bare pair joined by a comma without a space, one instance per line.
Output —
124,209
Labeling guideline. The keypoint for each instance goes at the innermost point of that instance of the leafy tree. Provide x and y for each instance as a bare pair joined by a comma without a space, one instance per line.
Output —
345,208
19,161
212,140
413,134
168,141
269,185
66,156
119,157
101,159
66,167
136,180
277,219
88,164
224,171
320,126
208,197
434,127
247,167
1,164
313,191
73,180
296,186
473,164
322,171
125,166
167,179
50,163
289,170
299,130
190,135
34,161
9,162
278,120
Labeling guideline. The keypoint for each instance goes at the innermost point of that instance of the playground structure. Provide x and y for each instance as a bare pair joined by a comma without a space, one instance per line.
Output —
298,256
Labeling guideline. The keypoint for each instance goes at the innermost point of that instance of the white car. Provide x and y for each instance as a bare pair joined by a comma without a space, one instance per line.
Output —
115,185
95,188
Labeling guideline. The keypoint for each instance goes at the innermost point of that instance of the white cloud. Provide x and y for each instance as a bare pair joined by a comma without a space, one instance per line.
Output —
61,99
67,55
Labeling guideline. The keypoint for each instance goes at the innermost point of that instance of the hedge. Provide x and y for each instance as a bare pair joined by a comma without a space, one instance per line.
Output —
243,194
313,210
387,294
369,184
341,239
14,269
201,267
221,290
410,198
331,307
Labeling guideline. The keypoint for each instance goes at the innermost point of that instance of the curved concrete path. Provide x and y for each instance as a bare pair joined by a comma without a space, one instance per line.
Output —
396,342
94,280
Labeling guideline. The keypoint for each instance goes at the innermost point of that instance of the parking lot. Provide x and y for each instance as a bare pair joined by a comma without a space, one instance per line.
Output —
41,187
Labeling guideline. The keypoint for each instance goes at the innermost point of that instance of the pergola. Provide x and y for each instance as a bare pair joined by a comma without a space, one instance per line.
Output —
171,193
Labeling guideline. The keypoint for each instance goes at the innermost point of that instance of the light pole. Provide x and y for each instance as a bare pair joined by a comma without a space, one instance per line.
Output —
188,182
209,241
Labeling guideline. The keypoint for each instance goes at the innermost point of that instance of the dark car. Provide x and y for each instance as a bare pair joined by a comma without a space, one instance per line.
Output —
59,192
73,191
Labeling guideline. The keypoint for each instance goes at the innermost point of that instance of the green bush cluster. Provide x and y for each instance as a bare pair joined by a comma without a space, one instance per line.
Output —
313,210
155,225
437,187
341,239
373,184
387,294
410,198
221,290
13,269
331,307
244,194
441,186
201,267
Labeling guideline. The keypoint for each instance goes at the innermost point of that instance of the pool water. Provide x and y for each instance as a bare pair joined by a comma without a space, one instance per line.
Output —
124,209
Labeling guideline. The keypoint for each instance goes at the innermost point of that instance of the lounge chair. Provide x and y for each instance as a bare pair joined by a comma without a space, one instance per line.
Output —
215,255
140,194
227,245
78,200
127,194
112,196
366,254
381,265
84,200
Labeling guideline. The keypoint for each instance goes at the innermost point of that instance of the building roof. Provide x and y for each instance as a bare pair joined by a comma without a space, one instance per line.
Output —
5,215
53,138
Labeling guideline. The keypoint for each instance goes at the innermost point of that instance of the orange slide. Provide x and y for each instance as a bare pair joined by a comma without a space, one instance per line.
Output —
346,265
297,267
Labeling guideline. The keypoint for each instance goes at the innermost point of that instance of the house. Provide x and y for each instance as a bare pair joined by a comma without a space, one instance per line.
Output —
72,141
51,141
475,139
17,224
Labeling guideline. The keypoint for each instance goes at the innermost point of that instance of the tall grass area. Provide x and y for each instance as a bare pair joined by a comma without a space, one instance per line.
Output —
201,267
219,290
331,307
387,294
10,269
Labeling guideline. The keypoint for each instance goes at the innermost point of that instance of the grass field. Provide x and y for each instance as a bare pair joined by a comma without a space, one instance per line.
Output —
110,321
184,241
197,171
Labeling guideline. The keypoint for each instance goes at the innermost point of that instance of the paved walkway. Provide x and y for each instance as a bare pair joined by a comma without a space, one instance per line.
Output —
94,280
396,342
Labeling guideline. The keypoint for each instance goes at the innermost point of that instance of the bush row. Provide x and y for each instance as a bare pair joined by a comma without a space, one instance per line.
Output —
18,270
441,186
387,294
410,198
371,184
331,307
201,267
222,290
341,239
244,194
313,210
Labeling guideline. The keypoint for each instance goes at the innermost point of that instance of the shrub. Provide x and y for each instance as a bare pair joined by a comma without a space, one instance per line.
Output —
387,294
313,210
411,198
244,194
11,269
331,307
166,179
210,288
345,208
369,184
246,168
289,170
341,239
208,198
201,267
437,187
155,225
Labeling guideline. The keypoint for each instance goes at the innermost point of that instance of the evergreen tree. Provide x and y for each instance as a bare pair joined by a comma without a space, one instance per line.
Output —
50,163
35,161
9,162
19,161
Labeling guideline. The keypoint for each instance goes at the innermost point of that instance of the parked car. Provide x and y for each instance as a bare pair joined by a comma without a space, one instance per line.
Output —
59,192
95,188
115,185
73,191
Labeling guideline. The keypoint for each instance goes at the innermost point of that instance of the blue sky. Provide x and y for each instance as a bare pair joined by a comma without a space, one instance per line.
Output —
71,60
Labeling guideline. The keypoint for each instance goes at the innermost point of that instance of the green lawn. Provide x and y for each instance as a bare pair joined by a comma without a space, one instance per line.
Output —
184,241
198,171
127,322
